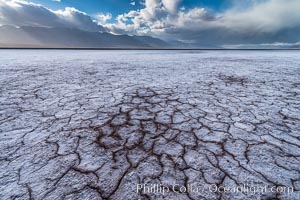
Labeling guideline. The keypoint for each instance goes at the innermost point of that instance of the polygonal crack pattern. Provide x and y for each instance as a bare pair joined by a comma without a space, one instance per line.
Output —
66,140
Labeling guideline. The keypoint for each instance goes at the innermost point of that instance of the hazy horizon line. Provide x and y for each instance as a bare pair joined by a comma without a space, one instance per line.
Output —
125,48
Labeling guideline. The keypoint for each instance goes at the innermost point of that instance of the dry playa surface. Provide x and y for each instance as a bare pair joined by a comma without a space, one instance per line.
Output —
112,124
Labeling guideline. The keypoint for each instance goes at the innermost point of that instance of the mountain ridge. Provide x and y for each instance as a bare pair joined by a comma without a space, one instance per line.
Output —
62,37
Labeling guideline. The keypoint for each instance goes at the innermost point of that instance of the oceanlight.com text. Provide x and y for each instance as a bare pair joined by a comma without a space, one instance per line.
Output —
212,188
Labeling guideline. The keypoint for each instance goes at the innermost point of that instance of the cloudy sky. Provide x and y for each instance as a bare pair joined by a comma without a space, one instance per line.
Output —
226,23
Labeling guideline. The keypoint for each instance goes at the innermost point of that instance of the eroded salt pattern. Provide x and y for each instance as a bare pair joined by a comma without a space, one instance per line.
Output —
94,124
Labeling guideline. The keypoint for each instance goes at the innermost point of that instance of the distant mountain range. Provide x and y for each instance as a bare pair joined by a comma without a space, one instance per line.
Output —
43,37
64,37
296,46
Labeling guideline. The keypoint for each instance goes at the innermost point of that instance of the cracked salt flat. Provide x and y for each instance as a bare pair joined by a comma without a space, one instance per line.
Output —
94,124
